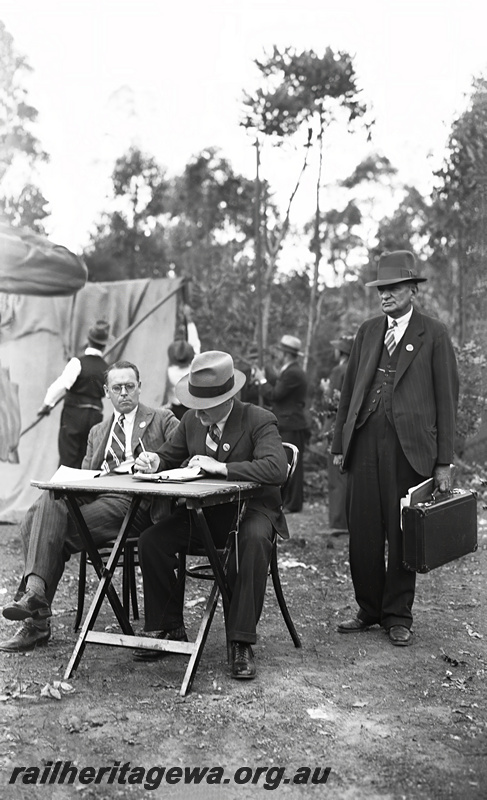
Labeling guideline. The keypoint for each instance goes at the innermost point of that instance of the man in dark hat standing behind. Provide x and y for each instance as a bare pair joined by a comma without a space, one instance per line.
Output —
337,480
395,427
286,394
81,383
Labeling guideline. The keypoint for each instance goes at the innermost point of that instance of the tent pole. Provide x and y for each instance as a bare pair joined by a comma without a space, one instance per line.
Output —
117,342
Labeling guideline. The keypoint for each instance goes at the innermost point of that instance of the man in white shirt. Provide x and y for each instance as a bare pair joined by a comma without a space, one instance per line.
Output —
49,536
81,383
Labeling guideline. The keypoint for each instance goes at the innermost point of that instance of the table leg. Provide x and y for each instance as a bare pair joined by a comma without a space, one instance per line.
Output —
105,573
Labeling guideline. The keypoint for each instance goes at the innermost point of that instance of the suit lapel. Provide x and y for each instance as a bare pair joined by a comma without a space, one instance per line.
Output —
142,418
410,344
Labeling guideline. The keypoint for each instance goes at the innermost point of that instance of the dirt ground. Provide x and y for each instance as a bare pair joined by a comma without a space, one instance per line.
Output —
388,722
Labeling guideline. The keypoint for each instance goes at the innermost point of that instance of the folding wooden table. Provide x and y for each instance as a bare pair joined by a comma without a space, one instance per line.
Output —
196,495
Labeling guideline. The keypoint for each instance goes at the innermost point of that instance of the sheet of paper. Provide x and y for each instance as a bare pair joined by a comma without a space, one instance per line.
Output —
70,475
175,475
417,494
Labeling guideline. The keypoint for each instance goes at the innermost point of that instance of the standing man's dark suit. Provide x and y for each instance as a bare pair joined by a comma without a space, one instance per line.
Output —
49,536
395,427
286,394
249,449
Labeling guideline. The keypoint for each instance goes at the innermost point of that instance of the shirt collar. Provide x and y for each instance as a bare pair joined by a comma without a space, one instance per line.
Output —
401,321
129,417
221,422
93,351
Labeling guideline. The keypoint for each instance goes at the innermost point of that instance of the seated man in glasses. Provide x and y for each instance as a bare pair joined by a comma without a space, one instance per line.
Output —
232,441
49,536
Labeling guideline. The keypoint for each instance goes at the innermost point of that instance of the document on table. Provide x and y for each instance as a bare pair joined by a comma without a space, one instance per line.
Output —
72,475
179,475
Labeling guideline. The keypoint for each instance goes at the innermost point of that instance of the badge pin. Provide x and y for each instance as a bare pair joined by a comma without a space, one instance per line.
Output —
142,424
226,447
409,347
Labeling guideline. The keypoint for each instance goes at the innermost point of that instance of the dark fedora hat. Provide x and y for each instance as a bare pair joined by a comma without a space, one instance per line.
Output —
98,333
180,352
343,344
212,379
396,267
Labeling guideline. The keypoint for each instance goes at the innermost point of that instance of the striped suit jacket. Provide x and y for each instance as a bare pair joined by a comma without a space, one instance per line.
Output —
425,392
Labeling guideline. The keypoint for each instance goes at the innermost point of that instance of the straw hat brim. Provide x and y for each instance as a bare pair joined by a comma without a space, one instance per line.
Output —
190,401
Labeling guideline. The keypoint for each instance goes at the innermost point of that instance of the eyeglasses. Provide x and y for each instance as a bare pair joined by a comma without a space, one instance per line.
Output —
117,388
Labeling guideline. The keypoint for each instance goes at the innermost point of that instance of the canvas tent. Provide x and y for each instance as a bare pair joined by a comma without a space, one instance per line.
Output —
38,334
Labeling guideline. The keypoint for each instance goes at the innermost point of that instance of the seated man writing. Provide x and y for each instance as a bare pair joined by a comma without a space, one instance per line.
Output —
231,440
49,536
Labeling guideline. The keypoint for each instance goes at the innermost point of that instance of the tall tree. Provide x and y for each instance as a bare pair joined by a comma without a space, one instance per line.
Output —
20,149
129,240
459,216
304,88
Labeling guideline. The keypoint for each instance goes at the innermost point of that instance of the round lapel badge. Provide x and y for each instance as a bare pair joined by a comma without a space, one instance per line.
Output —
409,347
226,447
142,424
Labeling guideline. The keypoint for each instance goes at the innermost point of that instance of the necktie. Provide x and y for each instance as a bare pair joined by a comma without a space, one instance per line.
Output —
116,447
390,339
212,440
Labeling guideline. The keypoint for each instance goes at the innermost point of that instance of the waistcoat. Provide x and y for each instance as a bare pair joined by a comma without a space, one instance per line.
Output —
380,392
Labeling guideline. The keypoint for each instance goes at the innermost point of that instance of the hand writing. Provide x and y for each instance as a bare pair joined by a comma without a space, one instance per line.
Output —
146,462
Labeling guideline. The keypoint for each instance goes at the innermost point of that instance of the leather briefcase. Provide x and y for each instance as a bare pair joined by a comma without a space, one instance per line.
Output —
440,530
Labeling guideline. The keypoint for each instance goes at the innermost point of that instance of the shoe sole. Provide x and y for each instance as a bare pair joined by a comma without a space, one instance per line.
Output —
18,614
401,644
243,677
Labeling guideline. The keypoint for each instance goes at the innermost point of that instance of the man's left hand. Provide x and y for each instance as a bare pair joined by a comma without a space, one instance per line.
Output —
209,465
442,478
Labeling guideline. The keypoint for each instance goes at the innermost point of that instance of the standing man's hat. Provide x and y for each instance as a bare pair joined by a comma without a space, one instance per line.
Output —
343,344
98,333
212,379
290,344
396,267
180,352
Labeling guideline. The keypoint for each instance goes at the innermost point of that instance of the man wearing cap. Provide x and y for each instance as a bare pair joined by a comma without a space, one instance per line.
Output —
395,427
81,383
286,394
231,440
337,481
49,536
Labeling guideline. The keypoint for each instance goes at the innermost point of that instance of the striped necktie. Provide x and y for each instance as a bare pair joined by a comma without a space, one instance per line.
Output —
212,440
116,447
390,339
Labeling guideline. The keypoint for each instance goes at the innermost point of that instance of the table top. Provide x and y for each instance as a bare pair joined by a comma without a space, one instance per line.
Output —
127,484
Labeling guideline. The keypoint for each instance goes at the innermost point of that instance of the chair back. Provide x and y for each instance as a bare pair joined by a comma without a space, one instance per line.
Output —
292,454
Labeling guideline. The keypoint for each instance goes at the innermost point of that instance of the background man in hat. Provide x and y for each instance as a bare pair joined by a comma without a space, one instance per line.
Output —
337,481
228,439
395,427
180,354
286,394
49,536
81,383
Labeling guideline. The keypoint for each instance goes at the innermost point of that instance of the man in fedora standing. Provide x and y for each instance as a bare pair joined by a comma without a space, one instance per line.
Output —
82,384
231,440
286,394
395,427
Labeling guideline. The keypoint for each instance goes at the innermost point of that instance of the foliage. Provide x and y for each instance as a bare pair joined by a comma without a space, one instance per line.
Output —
473,398
20,149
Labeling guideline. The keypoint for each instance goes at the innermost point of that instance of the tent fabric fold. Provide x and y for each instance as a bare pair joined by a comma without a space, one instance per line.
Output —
30,264
37,337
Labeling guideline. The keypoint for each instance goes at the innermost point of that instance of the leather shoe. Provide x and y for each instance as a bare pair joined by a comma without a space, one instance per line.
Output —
353,625
27,638
400,636
243,662
29,605
176,635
